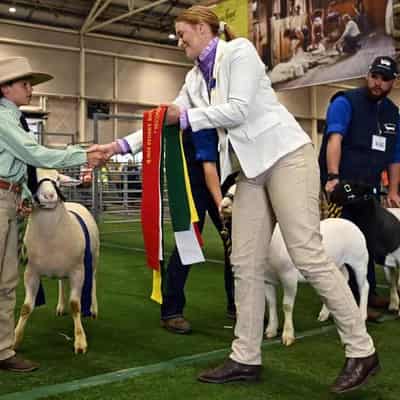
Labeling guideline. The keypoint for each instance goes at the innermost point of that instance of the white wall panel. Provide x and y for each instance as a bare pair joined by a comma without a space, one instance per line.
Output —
149,83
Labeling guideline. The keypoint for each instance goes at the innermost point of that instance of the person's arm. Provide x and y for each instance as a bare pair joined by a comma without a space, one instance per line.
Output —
25,148
333,157
338,120
212,181
393,198
132,143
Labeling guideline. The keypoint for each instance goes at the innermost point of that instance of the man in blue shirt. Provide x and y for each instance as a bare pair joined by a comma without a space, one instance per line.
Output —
361,140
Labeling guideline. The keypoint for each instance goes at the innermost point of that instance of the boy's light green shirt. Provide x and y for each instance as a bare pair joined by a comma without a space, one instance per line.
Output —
19,148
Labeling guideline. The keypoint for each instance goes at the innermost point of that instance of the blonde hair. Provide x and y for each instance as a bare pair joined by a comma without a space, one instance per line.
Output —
198,14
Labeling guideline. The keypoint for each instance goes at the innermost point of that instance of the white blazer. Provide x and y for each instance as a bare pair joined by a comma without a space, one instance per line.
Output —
244,108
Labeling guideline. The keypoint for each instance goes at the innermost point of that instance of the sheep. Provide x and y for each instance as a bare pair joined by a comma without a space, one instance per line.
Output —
392,271
55,245
380,225
344,244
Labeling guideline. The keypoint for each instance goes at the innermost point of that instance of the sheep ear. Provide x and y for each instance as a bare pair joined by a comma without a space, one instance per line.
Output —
67,181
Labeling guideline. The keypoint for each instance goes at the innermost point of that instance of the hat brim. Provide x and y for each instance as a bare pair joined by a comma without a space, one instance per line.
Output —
35,78
385,73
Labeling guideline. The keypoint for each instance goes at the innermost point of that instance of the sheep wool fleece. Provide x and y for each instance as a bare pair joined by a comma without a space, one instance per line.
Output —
8,270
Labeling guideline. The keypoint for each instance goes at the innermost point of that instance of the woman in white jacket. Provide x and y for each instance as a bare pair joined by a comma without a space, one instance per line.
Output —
279,181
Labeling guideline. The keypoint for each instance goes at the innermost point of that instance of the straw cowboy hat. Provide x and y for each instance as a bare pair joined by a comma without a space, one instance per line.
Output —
15,68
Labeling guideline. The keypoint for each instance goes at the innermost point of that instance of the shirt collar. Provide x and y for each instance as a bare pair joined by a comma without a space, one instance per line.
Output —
208,50
11,106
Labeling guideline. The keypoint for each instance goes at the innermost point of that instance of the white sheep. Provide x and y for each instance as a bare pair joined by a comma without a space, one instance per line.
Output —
344,243
392,269
55,244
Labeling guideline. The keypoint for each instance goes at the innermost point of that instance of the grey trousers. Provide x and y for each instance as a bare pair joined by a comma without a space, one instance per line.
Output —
8,270
288,193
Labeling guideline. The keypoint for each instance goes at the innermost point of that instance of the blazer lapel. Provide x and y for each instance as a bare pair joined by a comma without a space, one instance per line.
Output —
216,95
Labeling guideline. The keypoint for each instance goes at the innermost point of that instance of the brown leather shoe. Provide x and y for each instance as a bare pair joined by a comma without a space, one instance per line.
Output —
177,325
373,315
355,373
18,364
231,371
378,301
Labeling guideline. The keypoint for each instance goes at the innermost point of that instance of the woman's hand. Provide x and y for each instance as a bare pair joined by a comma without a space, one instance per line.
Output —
173,113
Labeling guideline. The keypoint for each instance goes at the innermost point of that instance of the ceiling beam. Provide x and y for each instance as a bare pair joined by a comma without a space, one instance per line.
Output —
90,15
126,15
97,13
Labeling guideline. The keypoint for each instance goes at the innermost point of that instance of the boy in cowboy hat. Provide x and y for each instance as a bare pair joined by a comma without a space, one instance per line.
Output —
18,149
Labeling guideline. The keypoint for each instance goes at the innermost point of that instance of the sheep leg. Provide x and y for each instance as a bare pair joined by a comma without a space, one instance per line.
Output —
60,310
394,295
94,307
76,284
289,284
398,281
325,313
272,328
363,285
31,283
364,291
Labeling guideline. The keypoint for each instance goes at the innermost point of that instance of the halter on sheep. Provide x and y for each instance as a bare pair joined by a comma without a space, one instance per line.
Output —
381,226
55,235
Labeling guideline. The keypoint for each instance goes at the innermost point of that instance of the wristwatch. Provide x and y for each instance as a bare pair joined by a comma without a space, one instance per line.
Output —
332,176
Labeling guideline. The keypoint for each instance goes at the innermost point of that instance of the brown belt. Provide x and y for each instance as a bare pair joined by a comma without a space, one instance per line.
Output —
12,187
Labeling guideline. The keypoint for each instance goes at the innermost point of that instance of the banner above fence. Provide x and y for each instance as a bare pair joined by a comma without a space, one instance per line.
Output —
310,42
235,14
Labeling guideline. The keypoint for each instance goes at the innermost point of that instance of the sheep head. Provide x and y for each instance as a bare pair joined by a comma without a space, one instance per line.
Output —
48,192
347,192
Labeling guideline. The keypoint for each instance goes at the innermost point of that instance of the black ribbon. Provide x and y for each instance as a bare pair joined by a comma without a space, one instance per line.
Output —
32,175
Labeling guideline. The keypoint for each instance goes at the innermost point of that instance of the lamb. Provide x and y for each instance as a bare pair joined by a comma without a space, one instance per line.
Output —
56,241
344,244
380,225
392,271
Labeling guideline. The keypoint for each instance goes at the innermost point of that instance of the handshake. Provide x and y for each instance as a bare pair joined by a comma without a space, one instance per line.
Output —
99,154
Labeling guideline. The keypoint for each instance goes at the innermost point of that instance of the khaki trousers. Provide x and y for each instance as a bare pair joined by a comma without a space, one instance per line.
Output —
288,193
8,270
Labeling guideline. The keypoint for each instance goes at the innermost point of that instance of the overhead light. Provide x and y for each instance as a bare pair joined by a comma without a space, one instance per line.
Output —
172,36
12,10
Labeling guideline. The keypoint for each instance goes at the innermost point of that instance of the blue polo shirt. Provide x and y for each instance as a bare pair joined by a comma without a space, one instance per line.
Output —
339,117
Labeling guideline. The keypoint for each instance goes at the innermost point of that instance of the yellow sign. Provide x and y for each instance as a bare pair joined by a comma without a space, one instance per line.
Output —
236,14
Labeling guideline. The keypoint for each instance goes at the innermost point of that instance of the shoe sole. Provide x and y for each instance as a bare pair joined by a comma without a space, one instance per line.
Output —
372,373
178,331
21,370
246,378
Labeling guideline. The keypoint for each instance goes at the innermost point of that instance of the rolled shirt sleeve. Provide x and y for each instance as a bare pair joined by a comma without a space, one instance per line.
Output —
338,116
397,149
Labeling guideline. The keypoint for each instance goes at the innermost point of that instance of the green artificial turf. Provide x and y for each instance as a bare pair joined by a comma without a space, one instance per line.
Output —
127,335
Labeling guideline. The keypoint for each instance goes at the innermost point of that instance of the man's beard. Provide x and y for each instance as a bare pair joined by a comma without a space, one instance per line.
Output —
375,97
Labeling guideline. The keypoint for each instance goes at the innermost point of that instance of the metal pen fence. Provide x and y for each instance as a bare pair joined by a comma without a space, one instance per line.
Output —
114,190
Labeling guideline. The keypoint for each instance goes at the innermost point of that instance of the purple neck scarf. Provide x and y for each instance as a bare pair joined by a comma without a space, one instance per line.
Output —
206,61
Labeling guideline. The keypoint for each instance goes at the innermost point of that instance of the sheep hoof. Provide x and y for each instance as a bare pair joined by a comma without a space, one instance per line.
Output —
270,334
80,349
322,317
60,312
393,308
288,340
94,315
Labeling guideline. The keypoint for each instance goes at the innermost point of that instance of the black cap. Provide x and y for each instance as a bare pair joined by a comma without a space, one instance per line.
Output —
385,66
